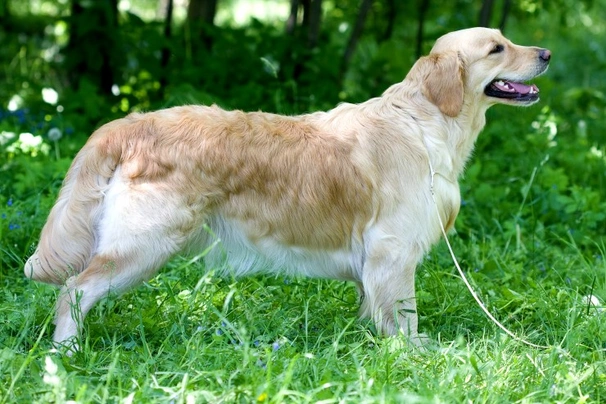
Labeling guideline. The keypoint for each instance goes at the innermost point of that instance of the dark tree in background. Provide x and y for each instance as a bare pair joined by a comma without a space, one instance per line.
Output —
93,52
304,35
390,16
423,8
168,20
355,34
312,19
4,12
202,11
487,12
201,19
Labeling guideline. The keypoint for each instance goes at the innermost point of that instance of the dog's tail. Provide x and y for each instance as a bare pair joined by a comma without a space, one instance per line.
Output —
68,239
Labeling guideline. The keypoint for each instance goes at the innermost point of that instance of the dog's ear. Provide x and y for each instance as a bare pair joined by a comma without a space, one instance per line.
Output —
443,81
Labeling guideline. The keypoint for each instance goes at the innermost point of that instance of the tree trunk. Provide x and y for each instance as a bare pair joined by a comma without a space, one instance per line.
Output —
423,7
315,18
486,13
291,23
4,12
505,14
167,33
355,35
312,17
201,17
166,48
202,11
306,12
310,33
93,53
391,20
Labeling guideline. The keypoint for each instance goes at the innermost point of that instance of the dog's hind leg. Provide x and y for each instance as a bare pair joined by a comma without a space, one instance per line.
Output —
105,274
139,231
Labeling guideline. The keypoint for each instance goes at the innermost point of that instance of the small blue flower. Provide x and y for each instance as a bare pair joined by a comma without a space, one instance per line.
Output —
13,226
219,332
275,346
10,202
20,114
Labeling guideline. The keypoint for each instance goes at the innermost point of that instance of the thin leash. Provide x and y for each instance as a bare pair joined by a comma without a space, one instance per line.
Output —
462,274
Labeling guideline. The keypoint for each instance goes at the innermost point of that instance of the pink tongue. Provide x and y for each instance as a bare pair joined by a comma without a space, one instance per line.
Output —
511,87
520,88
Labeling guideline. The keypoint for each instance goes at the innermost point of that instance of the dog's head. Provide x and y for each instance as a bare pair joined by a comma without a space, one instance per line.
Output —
480,65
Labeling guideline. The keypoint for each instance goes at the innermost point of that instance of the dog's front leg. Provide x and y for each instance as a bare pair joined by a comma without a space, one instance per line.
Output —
388,285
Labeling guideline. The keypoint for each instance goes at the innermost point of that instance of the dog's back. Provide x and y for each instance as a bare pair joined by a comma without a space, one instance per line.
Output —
277,190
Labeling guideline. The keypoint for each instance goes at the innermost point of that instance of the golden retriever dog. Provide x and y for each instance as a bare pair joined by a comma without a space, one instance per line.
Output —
344,194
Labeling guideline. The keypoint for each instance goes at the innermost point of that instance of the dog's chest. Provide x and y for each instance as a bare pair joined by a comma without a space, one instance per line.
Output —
447,199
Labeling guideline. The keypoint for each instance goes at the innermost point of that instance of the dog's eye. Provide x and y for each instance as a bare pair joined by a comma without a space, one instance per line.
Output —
497,49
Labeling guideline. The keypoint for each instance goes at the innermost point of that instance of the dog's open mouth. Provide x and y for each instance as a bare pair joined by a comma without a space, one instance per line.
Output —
512,91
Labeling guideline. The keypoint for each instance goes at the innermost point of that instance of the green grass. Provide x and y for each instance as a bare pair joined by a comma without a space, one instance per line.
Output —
189,337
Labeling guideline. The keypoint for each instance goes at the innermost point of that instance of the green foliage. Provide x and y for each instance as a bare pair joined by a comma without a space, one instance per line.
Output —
530,233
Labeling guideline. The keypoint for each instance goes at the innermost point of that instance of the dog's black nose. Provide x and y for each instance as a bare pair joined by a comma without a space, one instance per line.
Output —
545,54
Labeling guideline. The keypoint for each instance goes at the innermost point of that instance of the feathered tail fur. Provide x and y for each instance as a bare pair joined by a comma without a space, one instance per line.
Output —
68,240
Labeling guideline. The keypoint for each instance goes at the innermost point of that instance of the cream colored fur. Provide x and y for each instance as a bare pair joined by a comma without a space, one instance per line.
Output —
343,194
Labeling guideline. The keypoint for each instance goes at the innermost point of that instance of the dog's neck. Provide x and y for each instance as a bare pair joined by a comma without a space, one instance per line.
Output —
466,129
454,136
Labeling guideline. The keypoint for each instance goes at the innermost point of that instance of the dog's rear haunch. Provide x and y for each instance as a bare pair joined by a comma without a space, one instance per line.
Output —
343,194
